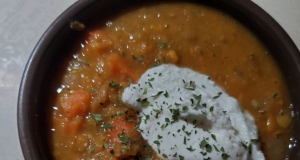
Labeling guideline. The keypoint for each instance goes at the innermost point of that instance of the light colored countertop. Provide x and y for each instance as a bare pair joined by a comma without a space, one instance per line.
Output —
22,23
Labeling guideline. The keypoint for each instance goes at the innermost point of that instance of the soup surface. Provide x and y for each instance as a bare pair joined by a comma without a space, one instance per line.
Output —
88,120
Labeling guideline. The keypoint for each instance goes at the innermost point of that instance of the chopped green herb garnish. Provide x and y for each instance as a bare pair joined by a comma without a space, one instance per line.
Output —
156,142
150,84
144,102
219,94
213,137
211,109
216,148
113,115
175,113
85,63
208,148
151,79
121,115
187,133
113,84
158,94
125,139
165,156
165,61
244,145
166,94
123,54
157,110
94,90
281,112
118,105
125,147
145,91
141,58
190,149
194,122
147,117
97,117
104,126
156,63
222,149
203,153
175,155
255,141
177,104
162,45
250,148
105,144
190,88
91,150
251,57
197,105
146,147
197,97
129,80
181,157
185,108
167,120
275,95
225,156
204,145
192,101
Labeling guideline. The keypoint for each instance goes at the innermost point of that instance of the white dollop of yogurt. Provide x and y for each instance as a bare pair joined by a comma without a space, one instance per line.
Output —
184,115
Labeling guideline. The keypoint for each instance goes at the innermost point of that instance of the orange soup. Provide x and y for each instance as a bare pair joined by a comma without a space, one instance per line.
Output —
87,118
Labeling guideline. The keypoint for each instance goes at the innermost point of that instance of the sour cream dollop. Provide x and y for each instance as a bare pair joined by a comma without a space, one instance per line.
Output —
184,115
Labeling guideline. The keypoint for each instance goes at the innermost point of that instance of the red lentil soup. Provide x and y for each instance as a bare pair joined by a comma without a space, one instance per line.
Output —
87,119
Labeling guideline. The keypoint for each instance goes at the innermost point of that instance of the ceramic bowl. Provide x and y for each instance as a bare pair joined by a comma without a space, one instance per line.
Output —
45,59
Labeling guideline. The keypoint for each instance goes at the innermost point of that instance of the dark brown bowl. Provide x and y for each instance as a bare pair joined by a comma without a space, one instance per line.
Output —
59,37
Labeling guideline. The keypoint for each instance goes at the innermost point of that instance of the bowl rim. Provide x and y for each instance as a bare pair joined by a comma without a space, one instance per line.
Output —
23,120
27,143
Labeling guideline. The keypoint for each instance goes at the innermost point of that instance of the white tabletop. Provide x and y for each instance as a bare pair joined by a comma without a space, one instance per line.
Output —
22,23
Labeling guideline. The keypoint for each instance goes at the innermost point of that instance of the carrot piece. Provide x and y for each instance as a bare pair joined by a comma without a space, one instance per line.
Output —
122,129
116,67
121,126
76,104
